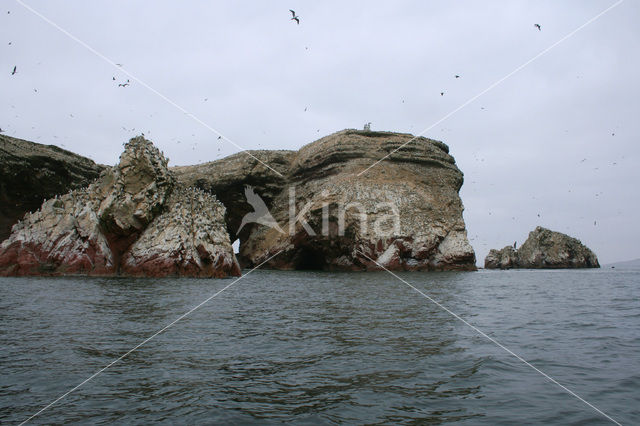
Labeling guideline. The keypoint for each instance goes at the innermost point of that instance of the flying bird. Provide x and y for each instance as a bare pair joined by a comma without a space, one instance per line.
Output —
441,93
123,84
457,76
294,16
538,27
113,78
14,70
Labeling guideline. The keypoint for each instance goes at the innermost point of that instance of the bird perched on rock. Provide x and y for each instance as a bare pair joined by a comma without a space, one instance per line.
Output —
294,16
538,27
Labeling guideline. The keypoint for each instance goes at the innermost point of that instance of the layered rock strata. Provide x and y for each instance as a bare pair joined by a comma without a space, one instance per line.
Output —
543,249
134,220
404,213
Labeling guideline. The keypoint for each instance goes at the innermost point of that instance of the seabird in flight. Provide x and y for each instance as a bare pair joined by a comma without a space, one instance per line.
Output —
14,70
537,26
294,16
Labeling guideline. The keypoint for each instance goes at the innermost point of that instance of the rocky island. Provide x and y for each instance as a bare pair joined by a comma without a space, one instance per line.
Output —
543,249
321,207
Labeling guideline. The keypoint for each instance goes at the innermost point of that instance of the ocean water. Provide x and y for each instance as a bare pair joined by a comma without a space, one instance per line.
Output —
323,348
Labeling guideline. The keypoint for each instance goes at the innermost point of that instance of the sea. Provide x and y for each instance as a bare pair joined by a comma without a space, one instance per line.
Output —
306,347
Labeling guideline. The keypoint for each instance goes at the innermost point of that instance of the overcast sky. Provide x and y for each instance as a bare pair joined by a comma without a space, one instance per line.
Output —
555,144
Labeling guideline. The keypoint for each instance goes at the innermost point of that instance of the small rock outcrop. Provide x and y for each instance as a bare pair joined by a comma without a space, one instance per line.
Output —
134,220
31,173
543,249
404,213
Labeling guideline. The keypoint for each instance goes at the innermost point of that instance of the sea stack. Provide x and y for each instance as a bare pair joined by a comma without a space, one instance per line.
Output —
543,249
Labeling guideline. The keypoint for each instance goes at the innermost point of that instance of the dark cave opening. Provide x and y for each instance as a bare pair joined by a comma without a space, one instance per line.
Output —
308,259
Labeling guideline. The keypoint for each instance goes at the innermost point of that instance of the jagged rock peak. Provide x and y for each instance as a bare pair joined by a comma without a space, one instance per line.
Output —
134,191
132,220
543,249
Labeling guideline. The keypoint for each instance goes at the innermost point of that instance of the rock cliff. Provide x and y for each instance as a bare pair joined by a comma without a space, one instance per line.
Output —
543,249
404,213
31,173
228,177
134,220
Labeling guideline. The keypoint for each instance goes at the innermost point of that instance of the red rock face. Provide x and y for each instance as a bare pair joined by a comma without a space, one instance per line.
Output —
134,220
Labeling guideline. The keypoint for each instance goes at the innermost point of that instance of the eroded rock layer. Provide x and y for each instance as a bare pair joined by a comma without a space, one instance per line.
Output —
543,249
135,220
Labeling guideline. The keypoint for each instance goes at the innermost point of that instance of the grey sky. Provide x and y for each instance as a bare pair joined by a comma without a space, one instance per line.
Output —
540,143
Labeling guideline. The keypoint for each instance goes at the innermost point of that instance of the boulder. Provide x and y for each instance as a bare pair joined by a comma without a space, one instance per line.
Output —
543,249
